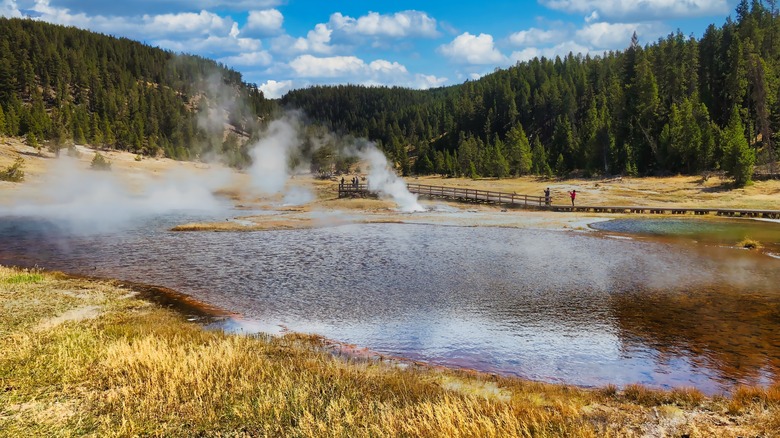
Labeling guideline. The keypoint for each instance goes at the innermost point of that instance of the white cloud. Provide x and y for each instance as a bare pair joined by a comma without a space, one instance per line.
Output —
248,59
424,82
534,36
645,9
212,45
185,23
618,35
472,49
344,66
342,33
233,4
387,68
399,25
203,33
594,16
316,41
340,69
562,49
265,22
9,9
328,67
169,26
274,90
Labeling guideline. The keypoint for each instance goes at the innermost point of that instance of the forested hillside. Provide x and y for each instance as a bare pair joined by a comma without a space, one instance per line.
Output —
679,105
64,85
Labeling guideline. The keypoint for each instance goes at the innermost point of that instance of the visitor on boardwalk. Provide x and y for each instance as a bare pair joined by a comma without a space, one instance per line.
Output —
547,196
342,181
573,195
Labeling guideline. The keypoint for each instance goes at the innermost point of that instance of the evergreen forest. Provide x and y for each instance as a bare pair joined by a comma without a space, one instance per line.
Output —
63,85
676,105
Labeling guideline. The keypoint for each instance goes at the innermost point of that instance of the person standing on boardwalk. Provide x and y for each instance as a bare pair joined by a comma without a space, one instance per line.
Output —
573,195
547,196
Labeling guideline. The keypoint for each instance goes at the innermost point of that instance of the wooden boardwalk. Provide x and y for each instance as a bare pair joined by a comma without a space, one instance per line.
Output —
537,202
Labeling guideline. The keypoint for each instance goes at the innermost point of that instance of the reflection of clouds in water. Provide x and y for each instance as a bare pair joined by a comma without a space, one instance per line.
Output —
536,303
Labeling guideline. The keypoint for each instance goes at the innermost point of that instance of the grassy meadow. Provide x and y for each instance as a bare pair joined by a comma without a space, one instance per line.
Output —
89,358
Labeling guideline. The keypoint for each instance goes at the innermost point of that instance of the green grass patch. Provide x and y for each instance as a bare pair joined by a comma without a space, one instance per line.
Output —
24,278
749,243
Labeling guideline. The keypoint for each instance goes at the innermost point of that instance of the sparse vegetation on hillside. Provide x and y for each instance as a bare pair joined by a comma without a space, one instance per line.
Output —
99,162
14,172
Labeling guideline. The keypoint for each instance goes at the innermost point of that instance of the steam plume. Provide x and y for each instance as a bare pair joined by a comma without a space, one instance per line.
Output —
87,201
383,180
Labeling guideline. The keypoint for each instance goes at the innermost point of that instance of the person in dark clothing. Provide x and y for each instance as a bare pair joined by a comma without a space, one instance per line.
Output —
342,181
547,196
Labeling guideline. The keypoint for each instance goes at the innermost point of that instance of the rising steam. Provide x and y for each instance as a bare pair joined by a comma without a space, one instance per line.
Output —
383,180
271,169
87,201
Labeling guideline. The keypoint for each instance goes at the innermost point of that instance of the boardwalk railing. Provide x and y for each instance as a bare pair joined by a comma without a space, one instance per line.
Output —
538,202
456,193
476,195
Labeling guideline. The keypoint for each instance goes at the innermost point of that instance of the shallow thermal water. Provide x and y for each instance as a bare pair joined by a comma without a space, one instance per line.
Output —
547,305
727,232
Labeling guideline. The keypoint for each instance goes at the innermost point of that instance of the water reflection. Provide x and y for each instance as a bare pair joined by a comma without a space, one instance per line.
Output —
555,306
732,333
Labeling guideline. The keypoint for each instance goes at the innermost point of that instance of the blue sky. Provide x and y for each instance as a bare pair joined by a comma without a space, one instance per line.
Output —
285,44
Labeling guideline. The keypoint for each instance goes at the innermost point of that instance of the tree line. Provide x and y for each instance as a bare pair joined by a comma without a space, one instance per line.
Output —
678,105
65,85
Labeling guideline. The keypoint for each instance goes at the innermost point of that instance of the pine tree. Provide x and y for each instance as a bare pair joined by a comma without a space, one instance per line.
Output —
520,158
560,166
539,157
740,157
473,170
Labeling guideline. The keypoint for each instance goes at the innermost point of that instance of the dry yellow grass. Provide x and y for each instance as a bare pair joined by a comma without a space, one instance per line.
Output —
682,191
135,369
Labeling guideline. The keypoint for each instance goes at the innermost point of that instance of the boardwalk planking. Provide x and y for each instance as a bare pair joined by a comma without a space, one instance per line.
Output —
537,202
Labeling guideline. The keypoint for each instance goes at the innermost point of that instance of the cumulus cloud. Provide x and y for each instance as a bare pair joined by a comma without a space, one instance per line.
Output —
592,37
618,35
328,67
263,23
342,33
423,82
145,27
646,9
275,89
248,59
317,40
398,25
472,49
343,66
9,9
212,45
140,7
562,49
203,33
534,36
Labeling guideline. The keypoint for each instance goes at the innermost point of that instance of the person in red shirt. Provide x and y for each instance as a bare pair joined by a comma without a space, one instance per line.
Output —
573,195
